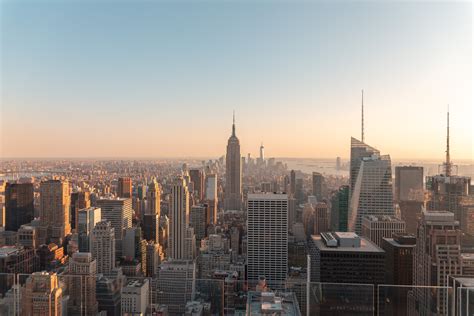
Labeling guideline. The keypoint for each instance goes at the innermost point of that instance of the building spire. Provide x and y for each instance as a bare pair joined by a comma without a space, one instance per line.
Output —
233,123
362,126
447,164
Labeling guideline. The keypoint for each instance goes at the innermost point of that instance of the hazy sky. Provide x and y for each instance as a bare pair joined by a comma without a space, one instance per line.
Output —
156,79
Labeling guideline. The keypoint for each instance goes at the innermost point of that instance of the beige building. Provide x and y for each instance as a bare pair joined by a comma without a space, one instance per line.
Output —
42,295
55,202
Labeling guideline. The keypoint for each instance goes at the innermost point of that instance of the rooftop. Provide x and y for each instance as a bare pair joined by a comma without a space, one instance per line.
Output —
344,241
270,303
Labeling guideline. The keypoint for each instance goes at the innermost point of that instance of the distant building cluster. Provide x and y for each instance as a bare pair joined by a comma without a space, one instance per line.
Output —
234,236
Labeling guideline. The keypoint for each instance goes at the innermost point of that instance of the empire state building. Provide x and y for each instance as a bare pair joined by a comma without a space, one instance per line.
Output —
233,181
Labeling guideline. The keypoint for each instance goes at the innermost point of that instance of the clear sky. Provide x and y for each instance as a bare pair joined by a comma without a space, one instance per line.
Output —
160,79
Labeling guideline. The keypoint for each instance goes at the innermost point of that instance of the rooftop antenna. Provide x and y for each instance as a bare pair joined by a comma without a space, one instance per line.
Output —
362,127
448,164
233,123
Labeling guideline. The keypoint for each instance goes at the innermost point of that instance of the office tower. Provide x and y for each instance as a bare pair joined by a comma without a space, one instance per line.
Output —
103,246
399,252
199,220
321,218
437,255
151,227
54,213
262,153
124,187
15,260
299,192
141,191
292,182
154,257
42,295
447,190
198,178
359,151
135,297
343,257
87,219
308,219
291,212
318,182
119,213
340,209
408,183
267,215
176,284
338,163
375,228
233,176
271,303
81,284
235,242
108,291
153,198
409,195
19,207
372,192
79,200
180,233
211,197
28,236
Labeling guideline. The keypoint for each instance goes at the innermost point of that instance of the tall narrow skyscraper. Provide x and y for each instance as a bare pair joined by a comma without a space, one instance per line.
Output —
180,232
372,191
233,180
103,246
197,178
124,187
54,214
267,238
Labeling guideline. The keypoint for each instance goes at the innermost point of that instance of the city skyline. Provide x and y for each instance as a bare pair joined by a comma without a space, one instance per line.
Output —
292,73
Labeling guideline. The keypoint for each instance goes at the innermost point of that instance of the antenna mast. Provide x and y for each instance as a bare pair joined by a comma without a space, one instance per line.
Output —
362,127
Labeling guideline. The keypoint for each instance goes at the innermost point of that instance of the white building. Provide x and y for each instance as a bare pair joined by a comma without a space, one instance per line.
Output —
119,212
372,192
267,237
103,246
87,219
376,228
135,297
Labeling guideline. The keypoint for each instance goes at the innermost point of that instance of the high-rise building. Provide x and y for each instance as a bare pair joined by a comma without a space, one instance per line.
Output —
372,190
375,228
211,197
198,178
151,227
135,297
321,218
153,198
19,205
359,151
87,219
79,200
108,290
344,257
124,187
233,177
437,255
267,237
119,212
318,183
81,284
103,246
447,191
28,236
176,284
292,182
340,209
408,183
42,295
54,213
399,252
180,232
262,153
199,220
154,257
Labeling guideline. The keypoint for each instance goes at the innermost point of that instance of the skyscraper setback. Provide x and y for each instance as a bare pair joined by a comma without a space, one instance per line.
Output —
233,177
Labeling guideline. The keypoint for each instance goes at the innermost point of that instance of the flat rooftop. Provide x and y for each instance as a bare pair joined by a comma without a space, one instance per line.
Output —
365,244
